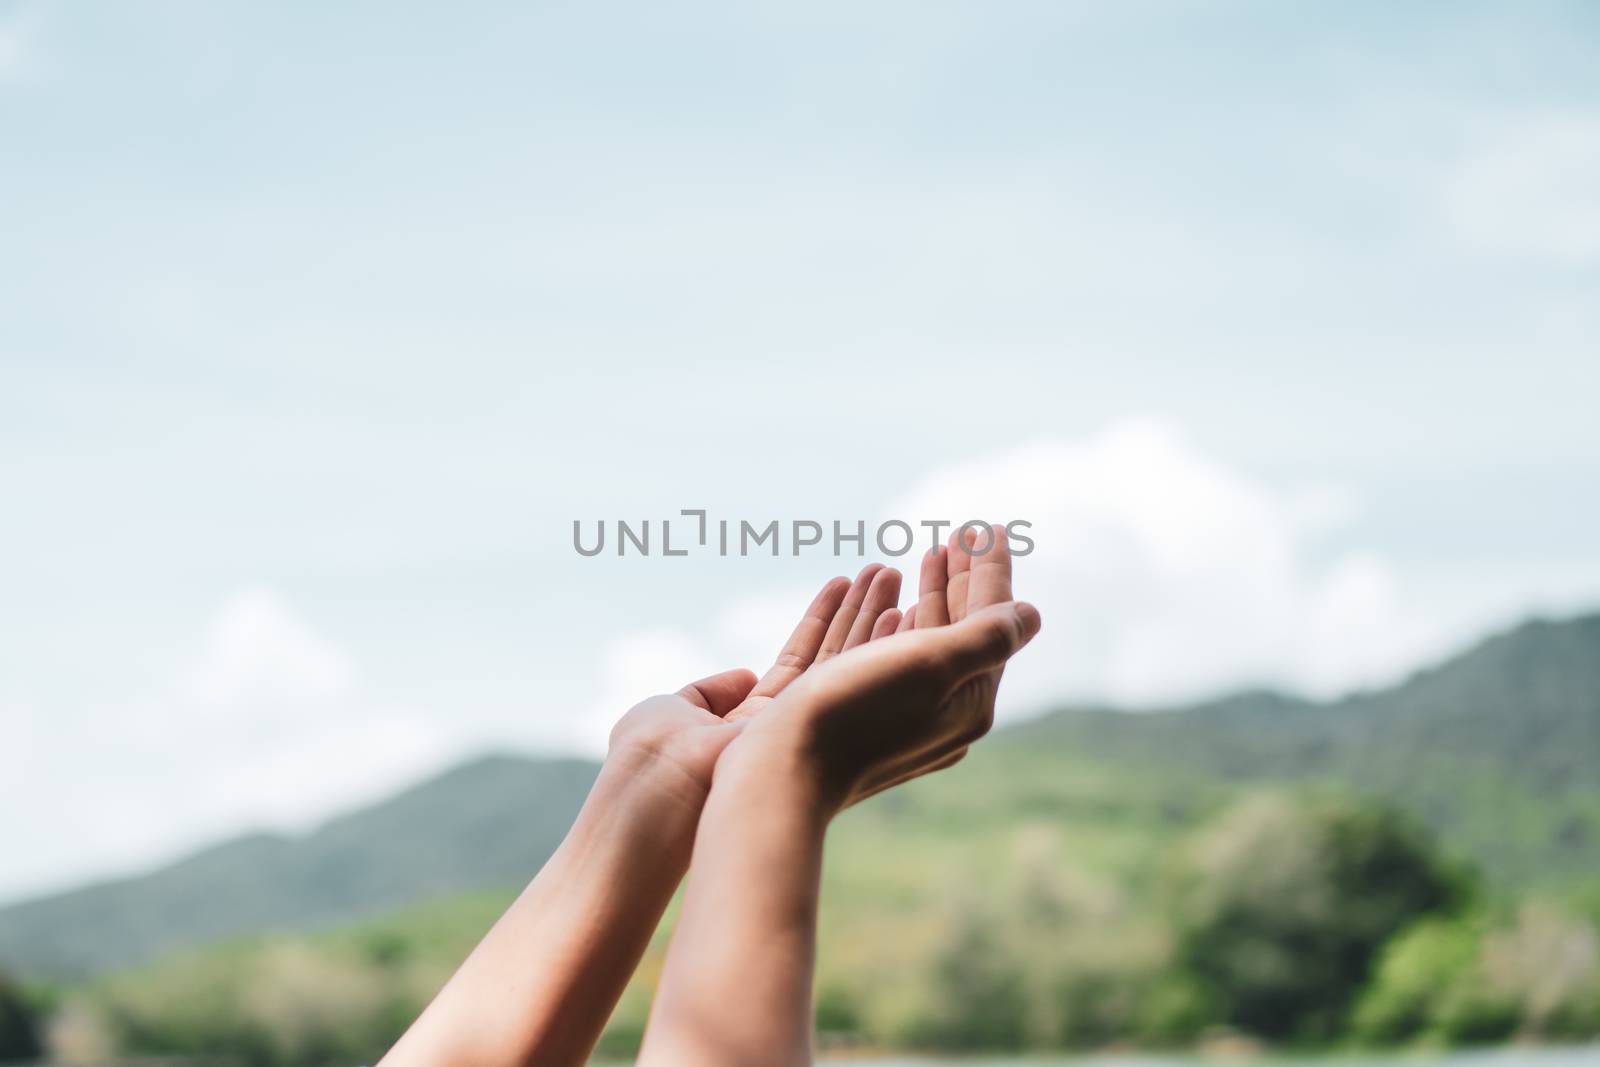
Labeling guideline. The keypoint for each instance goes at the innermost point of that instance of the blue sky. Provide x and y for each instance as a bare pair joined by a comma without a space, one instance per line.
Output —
323,322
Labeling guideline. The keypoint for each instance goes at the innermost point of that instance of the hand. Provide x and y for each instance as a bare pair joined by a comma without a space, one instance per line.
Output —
542,983
844,727
686,731
901,707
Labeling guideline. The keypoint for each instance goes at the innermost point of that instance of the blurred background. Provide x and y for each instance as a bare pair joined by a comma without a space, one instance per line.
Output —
323,324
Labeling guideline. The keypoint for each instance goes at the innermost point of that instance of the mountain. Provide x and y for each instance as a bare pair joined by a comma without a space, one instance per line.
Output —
1495,749
484,823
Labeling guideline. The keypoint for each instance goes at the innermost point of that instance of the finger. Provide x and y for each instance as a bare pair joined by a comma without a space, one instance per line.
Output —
801,648
908,621
888,623
987,638
845,617
958,567
990,580
933,608
720,693
882,595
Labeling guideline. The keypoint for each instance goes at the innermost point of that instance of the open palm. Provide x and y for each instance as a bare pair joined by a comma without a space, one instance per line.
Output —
913,703
689,729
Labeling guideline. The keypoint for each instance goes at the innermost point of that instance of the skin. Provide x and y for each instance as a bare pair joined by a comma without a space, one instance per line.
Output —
540,986
736,988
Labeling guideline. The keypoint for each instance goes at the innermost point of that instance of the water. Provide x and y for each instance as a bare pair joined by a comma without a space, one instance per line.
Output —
1586,1056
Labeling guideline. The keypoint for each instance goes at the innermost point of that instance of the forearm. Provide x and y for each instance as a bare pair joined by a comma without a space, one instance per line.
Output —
737,984
540,986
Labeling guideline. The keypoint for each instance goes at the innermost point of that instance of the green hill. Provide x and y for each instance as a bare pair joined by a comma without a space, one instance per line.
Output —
484,823
1494,749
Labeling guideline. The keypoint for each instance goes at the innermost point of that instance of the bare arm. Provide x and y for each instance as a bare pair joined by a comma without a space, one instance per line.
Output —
737,985
540,986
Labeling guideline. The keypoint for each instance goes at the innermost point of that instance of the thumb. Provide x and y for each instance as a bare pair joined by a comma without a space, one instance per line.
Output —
720,693
985,639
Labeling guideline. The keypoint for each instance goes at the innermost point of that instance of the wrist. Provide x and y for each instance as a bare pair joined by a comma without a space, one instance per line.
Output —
766,767
642,779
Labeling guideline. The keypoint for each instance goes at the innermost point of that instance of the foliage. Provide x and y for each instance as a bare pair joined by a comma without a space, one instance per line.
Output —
1413,980
19,1025
273,1005
1285,905
1292,902
836,1011
1533,974
1081,881
979,997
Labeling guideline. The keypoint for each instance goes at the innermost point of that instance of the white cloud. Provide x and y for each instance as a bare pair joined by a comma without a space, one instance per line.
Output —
266,725
1531,187
635,666
274,726
258,651
1162,574
745,633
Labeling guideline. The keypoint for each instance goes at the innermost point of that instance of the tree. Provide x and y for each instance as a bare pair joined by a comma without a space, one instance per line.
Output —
1417,974
19,1024
979,998
1284,904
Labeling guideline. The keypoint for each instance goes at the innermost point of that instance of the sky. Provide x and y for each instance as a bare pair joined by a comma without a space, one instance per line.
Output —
322,324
